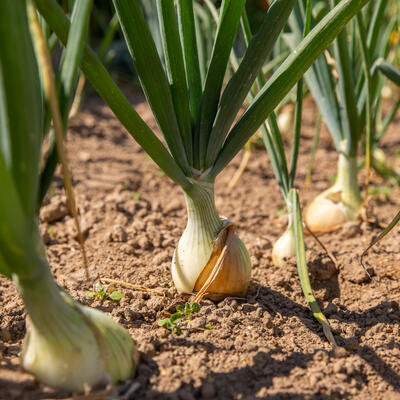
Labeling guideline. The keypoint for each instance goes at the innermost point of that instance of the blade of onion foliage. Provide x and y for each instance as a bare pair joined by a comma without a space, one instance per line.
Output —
152,76
241,82
176,72
108,37
299,106
313,150
382,33
20,127
375,26
68,81
230,13
303,268
276,162
50,91
17,247
204,37
389,71
112,95
272,138
284,79
369,117
346,88
20,137
320,81
187,31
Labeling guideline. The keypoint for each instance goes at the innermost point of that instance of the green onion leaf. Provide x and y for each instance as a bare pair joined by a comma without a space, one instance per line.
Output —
152,75
285,77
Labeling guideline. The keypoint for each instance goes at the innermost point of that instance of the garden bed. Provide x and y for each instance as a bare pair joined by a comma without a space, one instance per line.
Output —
264,346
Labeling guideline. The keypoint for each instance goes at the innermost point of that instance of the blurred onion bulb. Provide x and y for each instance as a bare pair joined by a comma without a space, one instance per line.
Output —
340,203
285,247
69,346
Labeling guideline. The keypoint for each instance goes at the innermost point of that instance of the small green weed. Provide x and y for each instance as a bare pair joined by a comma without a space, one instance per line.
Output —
182,313
379,190
52,232
281,211
136,196
101,294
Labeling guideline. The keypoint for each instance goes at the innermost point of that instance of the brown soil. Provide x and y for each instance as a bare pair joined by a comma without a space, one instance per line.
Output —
264,346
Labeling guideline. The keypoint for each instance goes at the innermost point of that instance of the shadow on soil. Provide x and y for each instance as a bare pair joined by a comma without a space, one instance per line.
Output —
248,382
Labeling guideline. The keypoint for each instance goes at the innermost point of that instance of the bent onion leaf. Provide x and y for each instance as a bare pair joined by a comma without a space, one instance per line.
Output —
303,268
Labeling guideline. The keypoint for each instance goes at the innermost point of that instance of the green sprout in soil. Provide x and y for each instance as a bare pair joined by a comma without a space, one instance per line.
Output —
380,190
182,313
101,294
136,196
52,233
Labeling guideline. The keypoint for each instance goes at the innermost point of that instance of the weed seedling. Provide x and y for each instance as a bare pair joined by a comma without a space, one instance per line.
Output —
182,313
52,233
101,294
136,196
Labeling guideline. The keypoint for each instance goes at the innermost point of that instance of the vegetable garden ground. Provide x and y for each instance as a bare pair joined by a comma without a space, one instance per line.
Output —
265,346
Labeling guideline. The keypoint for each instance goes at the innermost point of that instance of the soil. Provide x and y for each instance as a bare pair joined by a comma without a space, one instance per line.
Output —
264,346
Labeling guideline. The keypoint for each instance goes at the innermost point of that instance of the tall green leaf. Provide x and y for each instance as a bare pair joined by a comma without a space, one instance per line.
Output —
176,71
299,105
152,75
20,138
20,103
239,85
187,31
112,95
17,233
346,88
375,26
69,79
389,71
319,80
303,268
230,13
285,77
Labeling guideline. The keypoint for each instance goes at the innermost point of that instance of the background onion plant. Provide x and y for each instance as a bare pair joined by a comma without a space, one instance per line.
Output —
346,84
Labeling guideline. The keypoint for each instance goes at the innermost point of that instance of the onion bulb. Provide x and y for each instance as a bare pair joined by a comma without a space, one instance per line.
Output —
209,254
69,346
340,203
285,119
285,247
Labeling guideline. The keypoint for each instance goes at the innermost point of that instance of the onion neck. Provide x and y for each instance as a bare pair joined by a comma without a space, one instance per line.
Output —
49,313
203,217
346,181
195,245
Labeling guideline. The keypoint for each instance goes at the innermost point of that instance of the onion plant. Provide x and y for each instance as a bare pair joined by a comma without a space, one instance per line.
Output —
291,243
195,114
67,345
347,94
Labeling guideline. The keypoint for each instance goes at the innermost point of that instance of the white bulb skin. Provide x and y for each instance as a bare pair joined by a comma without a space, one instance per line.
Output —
285,247
340,203
69,346
195,246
